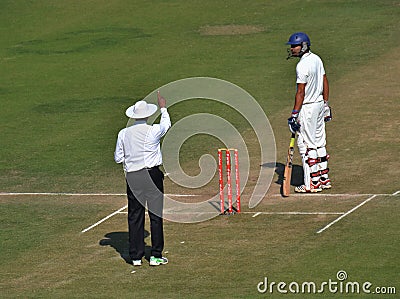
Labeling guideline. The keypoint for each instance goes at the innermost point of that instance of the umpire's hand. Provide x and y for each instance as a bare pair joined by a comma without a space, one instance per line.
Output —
161,100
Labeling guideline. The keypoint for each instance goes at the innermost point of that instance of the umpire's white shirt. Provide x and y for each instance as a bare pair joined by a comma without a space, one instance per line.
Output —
138,146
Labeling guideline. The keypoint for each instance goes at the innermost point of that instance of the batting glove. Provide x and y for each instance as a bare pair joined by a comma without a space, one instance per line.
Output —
327,112
294,125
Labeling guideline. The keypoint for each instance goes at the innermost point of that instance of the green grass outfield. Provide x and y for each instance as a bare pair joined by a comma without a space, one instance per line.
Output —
69,69
45,254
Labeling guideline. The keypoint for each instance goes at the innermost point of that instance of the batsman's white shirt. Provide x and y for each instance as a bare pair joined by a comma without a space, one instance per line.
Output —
310,70
138,146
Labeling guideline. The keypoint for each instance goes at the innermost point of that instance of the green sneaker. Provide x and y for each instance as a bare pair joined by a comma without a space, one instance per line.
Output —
156,261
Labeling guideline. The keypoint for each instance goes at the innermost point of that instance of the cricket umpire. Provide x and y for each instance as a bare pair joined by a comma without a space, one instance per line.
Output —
138,148
310,112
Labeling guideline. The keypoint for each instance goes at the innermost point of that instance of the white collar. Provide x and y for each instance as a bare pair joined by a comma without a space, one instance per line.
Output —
140,121
306,55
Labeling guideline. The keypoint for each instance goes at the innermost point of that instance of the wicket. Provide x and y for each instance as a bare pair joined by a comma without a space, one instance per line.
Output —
230,209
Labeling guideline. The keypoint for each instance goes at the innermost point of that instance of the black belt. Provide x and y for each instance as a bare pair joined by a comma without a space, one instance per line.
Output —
150,168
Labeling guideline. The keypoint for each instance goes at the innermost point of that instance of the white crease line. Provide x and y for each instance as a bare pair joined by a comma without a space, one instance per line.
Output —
254,214
104,219
296,213
194,195
345,214
333,194
60,194
120,211
81,194
303,213
181,195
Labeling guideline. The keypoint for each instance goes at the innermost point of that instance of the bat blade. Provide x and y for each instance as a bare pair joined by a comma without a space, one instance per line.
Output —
287,175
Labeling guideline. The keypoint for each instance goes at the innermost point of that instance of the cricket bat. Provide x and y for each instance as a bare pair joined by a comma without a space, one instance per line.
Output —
287,175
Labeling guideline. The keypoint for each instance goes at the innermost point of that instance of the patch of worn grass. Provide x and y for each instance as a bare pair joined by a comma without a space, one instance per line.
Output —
230,29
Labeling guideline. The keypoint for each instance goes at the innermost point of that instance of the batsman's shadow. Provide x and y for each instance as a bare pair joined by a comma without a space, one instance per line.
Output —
297,174
120,242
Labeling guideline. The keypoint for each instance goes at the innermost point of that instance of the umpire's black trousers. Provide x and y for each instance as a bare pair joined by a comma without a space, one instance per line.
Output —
145,186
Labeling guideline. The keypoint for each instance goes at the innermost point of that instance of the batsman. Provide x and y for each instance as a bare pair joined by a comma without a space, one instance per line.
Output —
310,112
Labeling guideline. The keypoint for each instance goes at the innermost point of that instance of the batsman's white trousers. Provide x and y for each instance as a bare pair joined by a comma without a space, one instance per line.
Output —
312,127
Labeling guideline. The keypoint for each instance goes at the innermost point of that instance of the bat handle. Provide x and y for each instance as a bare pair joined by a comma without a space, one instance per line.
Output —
292,139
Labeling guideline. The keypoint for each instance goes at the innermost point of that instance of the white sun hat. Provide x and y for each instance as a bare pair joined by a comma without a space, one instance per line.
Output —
141,110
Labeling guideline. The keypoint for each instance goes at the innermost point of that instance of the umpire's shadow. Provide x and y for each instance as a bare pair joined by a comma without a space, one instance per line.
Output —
120,242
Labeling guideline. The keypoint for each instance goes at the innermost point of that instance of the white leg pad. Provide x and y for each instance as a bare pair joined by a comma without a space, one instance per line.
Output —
306,170
323,165
313,164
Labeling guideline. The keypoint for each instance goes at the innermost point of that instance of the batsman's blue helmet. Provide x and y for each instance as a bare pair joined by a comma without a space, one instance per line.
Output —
299,38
